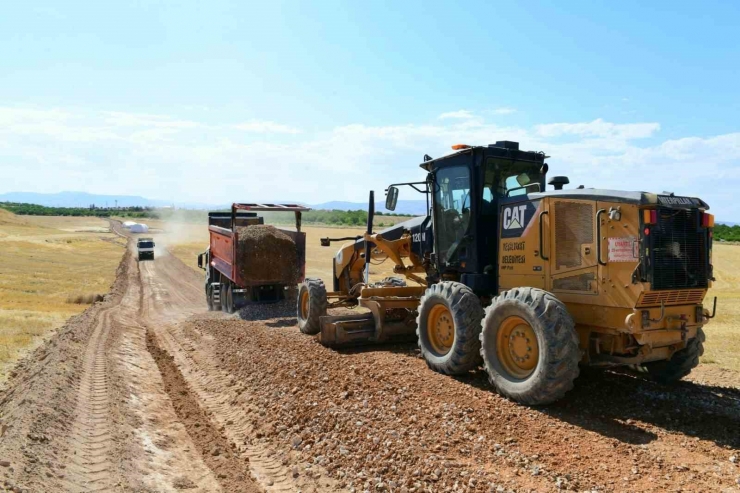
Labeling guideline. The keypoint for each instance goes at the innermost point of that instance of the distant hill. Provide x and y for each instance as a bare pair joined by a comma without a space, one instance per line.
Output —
413,207
80,199
84,199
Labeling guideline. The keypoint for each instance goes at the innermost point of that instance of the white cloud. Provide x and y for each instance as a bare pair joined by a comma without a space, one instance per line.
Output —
266,127
122,119
504,110
457,115
173,159
599,128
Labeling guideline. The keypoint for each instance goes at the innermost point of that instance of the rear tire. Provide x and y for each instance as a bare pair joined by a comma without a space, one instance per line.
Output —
209,298
225,298
680,364
448,326
217,306
311,304
529,346
230,299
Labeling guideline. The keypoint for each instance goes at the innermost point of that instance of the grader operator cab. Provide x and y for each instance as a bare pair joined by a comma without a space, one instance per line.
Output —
527,283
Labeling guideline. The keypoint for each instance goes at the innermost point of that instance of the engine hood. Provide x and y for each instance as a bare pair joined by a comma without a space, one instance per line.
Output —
637,198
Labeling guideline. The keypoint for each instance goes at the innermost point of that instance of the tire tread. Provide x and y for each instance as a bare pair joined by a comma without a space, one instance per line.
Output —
467,313
562,347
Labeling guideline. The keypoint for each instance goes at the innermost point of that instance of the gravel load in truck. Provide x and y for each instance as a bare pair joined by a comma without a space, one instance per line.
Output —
266,254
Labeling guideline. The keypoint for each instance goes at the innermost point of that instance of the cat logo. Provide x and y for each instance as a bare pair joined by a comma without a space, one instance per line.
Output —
514,217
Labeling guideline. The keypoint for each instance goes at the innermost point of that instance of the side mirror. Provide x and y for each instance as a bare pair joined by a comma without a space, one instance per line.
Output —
200,261
391,198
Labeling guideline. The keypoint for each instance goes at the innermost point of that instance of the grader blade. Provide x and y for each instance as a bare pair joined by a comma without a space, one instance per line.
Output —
347,330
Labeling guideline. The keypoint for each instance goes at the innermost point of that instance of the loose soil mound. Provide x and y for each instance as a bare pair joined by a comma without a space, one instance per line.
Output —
265,254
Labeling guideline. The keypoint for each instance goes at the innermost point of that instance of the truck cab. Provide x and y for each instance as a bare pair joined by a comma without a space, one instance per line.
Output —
145,248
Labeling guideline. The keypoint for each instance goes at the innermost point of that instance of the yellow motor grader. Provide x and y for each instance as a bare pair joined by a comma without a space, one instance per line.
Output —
526,282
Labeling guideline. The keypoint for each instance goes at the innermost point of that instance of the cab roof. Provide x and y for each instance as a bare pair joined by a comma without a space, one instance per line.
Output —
502,148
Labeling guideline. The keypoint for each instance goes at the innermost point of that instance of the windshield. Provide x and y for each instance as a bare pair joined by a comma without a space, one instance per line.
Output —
507,178
452,209
146,244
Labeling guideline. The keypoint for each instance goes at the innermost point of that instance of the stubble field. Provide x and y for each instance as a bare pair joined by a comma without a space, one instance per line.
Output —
47,265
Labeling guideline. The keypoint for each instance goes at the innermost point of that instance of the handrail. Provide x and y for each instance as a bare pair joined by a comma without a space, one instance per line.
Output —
270,207
542,251
598,236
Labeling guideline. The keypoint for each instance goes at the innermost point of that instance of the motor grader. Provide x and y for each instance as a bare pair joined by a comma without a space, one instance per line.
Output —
525,282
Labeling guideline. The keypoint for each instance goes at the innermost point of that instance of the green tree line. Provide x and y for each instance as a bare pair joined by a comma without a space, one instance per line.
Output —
40,210
727,233
329,217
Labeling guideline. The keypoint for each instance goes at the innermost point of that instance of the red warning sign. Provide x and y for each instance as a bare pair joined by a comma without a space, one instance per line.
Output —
623,249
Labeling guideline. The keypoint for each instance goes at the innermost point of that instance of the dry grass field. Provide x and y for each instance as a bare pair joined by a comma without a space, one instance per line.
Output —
45,264
723,333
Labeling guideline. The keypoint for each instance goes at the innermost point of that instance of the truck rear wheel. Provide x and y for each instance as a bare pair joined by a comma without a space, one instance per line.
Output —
217,304
209,298
529,346
680,364
225,298
448,326
230,299
311,305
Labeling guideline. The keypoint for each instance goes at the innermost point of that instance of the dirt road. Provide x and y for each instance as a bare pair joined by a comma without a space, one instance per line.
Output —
148,392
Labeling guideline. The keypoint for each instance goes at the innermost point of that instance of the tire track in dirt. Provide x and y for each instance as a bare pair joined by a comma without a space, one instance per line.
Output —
209,386
91,431
171,290
232,469
216,392
88,411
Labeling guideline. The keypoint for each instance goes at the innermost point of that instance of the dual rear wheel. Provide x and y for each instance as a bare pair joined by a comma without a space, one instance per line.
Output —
225,301
525,340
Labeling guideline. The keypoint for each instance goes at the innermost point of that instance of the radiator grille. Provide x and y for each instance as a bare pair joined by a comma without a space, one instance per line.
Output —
581,282
682,297
574,226
679,250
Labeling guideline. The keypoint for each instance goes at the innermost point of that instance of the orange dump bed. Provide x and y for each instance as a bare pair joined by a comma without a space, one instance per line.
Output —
222,227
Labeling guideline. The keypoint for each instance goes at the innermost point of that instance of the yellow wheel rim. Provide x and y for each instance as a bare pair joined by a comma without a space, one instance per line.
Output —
440,329
304,305
516,347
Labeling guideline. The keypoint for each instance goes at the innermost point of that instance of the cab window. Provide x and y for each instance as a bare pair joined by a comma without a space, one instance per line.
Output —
452,209
507,178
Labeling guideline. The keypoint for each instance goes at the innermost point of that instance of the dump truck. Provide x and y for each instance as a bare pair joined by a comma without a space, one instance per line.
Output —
145,248
526,282
242,266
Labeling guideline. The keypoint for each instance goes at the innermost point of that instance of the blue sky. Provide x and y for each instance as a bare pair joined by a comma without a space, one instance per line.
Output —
324,100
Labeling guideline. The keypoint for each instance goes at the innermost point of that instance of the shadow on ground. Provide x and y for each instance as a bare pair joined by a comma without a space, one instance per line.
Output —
618,406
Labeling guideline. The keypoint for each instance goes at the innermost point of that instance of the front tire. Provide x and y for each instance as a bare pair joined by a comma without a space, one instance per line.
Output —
680,364
312,304
529,346
448,326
